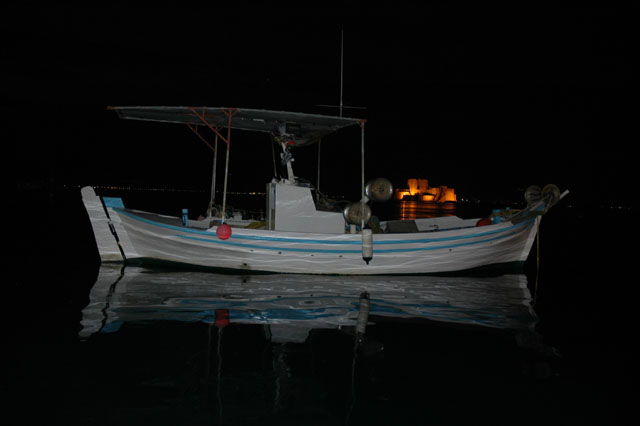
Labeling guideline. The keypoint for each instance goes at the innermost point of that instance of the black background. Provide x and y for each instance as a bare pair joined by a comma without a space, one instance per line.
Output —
487,101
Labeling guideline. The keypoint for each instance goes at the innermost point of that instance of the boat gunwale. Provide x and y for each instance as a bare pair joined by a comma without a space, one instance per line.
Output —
341,239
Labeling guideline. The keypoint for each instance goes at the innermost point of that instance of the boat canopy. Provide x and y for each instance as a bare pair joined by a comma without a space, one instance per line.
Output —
298,129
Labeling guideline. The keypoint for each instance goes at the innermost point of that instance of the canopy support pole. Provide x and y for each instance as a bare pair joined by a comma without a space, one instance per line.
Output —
224,189
229,113
214,148
276,175
213,178
362,122
214,129
318,183
194,129
363,200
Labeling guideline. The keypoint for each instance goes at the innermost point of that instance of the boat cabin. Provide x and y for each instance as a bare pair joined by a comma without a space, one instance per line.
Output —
292,208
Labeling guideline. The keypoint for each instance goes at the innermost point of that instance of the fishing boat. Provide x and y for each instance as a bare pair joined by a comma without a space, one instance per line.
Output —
304,232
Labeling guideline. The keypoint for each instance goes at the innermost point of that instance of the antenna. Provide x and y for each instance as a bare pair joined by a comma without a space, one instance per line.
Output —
341,106
341,67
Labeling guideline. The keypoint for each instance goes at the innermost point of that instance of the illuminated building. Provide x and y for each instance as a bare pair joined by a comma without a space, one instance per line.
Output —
419,190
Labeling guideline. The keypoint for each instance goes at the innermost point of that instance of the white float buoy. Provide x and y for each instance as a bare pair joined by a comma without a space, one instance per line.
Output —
367,245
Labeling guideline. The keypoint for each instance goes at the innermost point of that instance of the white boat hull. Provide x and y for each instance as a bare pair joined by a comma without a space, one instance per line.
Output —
138,236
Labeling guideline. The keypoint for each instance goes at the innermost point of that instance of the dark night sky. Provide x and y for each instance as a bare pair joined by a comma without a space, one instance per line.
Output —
487,101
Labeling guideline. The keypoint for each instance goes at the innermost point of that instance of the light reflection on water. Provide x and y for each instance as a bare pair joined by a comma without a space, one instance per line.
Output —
423,209
406,210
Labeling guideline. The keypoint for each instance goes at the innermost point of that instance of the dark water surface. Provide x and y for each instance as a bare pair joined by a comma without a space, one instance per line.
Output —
95,345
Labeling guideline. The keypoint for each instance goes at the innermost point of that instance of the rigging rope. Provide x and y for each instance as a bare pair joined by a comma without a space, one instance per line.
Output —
535,289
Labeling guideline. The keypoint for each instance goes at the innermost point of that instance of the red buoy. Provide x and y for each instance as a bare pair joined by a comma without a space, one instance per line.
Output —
221,318
483,222
224,231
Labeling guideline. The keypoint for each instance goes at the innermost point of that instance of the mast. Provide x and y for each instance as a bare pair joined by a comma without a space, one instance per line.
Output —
340,104
341,67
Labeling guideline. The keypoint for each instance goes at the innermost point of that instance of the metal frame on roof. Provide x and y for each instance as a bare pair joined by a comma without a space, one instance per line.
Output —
300,128
291,128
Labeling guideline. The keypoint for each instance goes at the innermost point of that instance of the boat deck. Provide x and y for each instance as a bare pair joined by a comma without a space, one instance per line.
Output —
166,220
389,227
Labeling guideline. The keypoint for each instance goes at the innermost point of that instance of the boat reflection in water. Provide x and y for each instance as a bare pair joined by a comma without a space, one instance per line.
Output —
203,348
299,303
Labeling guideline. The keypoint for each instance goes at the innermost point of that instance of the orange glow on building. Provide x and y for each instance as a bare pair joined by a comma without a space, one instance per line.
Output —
420,190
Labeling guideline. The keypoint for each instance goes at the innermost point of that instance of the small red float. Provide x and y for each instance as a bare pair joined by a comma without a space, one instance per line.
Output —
224,231
483,222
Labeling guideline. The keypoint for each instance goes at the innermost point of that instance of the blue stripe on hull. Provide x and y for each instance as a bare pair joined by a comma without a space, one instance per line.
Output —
212,238
307,250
